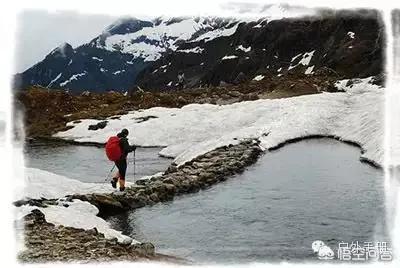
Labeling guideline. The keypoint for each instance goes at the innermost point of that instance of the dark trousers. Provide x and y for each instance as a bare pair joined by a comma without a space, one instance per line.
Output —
121,165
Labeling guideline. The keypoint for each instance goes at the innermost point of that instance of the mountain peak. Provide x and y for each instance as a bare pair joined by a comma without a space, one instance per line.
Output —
64,50
127,25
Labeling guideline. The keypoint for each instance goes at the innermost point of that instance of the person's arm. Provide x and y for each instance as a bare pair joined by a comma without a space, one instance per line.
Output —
132,148
126,147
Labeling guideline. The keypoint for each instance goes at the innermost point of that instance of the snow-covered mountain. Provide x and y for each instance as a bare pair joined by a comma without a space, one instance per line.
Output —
112,60
346,44
211,50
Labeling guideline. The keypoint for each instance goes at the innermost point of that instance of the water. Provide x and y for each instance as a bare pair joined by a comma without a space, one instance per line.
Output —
306,191
89,163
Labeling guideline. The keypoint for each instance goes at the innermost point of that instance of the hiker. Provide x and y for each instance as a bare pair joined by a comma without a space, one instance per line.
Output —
117,149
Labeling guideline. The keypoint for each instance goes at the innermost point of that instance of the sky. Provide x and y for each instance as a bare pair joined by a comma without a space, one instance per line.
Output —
39,32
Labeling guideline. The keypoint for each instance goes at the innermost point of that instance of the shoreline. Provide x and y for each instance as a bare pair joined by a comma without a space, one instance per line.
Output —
349,142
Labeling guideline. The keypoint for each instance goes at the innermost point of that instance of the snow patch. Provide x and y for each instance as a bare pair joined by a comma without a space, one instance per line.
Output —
309,70
244,49
118,72
56,185
96,58
73,77
351,35
211,35
192,50
229,57
305,61
54,80
258,77
295,57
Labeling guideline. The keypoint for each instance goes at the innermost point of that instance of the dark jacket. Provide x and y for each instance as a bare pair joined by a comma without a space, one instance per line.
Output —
126,148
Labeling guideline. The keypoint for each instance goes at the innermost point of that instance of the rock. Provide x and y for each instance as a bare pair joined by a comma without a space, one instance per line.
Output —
224,84
234,94
326,71
107,204
145,248
97,126
154,198
378,79
126,241
170,188
240,78
142,182
93,231
172,168
86,93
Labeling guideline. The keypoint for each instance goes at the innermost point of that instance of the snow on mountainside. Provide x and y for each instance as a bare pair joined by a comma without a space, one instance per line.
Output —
151,40
211,50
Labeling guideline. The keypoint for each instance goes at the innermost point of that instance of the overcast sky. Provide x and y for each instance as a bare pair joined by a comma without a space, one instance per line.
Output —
39,32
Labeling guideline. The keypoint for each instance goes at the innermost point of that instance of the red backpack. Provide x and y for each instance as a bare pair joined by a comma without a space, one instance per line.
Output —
113,149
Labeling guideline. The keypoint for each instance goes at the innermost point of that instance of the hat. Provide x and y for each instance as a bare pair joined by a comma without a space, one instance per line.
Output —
124,132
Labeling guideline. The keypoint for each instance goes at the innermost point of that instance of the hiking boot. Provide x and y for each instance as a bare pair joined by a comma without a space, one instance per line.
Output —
122,189
114,183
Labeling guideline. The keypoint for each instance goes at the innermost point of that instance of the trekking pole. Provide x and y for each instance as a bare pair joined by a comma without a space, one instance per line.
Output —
134,164
109,173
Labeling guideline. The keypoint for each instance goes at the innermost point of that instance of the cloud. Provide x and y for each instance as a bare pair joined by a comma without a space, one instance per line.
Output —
39,32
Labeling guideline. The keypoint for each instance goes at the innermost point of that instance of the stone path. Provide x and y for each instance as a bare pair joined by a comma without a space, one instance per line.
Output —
200,173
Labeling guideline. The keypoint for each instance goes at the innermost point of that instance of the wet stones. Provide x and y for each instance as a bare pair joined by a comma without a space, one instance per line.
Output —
191,177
